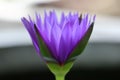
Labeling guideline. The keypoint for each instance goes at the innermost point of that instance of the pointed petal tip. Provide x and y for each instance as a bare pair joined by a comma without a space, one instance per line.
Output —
23,18
94,17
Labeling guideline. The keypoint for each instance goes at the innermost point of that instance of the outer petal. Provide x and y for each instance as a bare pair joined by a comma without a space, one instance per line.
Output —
28,26
81,44
44,48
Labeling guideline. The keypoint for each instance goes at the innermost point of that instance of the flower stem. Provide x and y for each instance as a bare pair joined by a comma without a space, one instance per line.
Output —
60,77
60,71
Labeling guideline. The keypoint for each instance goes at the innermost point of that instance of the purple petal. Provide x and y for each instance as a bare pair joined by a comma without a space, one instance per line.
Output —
28,26
65,43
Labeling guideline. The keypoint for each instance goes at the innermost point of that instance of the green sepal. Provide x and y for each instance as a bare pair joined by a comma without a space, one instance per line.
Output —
59,70
81,45
45,53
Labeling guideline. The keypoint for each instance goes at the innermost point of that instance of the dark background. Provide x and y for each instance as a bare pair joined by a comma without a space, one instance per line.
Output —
99,61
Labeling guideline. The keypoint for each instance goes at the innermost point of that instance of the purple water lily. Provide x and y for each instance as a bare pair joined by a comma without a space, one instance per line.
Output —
60,40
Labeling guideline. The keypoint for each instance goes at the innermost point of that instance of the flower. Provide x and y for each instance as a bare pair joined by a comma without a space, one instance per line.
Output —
61,40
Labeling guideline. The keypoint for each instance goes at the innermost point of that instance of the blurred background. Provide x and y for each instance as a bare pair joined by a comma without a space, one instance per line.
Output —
100,60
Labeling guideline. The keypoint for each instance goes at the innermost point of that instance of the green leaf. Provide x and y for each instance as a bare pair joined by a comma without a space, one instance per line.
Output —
81,45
